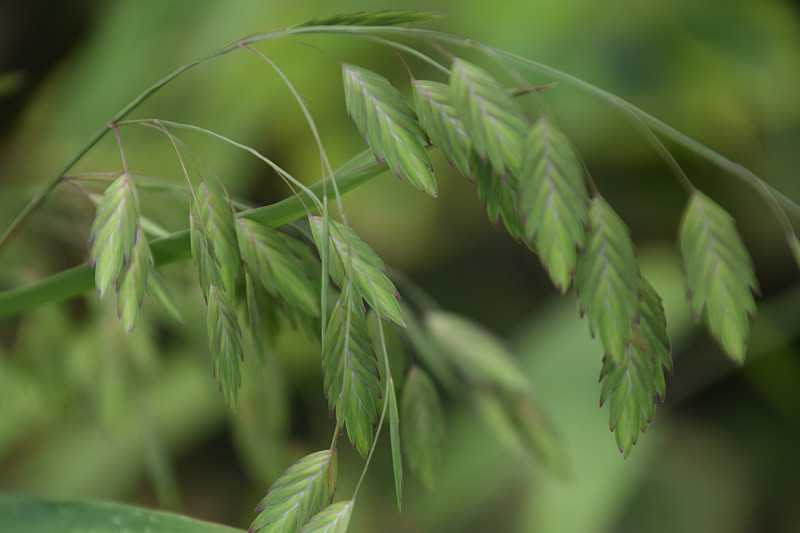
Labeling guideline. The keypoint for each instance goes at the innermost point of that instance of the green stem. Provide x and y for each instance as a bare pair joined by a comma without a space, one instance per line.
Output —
662,151
176,247
283,173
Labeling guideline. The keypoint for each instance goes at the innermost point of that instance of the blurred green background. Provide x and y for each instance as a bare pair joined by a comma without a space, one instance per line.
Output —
87,413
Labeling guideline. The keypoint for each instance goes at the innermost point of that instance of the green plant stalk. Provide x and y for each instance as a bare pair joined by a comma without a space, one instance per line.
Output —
176,247
284,174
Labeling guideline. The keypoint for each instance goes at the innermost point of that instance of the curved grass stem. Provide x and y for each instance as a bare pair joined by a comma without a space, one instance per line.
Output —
53,182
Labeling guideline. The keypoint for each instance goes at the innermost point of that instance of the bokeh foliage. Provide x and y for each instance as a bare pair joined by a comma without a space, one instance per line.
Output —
88,413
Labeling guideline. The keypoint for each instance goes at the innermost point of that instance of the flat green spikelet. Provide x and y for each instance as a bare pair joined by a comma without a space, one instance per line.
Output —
113,232
495,122
499,196
225,342
216,215
719,271
133,281
283,265
389,126
440,120
633,386
554,201
333,519
300,493
352,258
351,375
608,280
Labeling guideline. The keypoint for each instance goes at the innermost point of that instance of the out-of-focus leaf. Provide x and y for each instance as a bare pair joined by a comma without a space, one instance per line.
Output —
495,122
441,122
539,435
34,515
301,492
132,282
430,354
719,271
352,258
394,432
284,265
225,342
794,244
351,373
608,280
389,126
158,290
10,82
493,409
113,232
396,350
372,18
333,519
477,354
554,200
521,426
423,428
